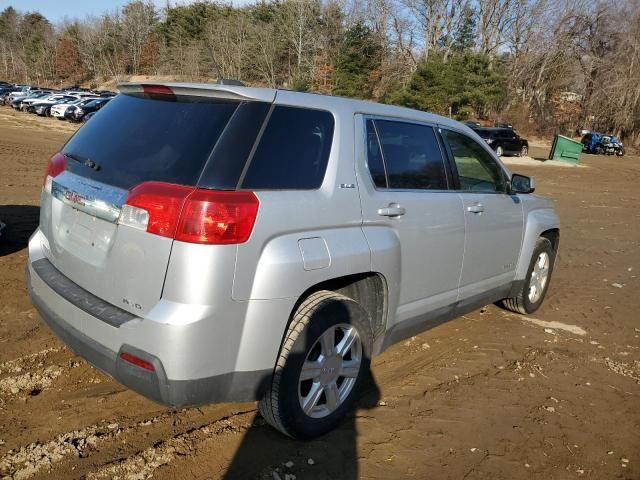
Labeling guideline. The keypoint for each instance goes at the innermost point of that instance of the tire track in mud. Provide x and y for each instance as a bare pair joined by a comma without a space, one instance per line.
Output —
28,374
47,456
143,464
29,460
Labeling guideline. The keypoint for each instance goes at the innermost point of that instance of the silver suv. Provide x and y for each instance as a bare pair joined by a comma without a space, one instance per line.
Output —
205,243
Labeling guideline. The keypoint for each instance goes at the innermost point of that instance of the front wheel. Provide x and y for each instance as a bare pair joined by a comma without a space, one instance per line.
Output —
524,151
499,151
534,288
322,364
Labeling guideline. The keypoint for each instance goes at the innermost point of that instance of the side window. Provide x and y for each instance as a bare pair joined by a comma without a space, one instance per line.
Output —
411,155
374,157
477,170
293,151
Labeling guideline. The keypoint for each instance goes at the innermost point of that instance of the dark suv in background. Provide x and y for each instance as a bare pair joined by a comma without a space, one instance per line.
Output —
504,141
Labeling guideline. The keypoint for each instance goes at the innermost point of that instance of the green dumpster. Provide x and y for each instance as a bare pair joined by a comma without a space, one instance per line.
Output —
565,149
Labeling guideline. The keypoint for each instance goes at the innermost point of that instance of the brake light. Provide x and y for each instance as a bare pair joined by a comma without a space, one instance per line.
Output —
55,166
157,90
191,215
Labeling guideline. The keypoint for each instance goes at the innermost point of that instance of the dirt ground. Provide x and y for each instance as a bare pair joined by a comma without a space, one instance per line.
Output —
491,395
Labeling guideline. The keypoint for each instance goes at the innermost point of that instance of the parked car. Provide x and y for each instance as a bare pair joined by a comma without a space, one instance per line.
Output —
16,103
504,141
78,112
5,92
43,107
600,144
20,91
24,103
212,243
503,125
472,124
60,110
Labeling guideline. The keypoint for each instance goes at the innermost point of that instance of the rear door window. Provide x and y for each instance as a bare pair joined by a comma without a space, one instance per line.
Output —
411,155
137,138
293,151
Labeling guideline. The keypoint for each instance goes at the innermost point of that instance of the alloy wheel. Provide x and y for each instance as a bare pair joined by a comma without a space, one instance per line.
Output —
330,370
539,277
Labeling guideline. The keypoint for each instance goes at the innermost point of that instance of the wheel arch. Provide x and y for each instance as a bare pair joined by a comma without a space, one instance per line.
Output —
542,222
369,289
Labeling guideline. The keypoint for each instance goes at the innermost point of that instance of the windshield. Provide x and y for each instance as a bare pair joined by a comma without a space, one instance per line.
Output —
485,133
136,138
92,103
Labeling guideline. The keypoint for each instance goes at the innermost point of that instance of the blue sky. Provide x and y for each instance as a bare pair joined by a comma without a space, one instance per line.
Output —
56,10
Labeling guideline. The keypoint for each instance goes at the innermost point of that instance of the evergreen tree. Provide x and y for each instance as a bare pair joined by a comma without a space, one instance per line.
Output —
465,37
359,55
463,83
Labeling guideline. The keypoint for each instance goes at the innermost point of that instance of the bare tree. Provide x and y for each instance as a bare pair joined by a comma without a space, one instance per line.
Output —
138,19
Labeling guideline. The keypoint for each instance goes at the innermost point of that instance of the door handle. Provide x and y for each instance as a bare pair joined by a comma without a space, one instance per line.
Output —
476,208
393,210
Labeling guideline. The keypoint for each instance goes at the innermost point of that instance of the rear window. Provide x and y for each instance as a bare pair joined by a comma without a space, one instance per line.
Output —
293,151
136,138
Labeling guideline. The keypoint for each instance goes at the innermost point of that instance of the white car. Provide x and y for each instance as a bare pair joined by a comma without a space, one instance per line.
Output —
58,111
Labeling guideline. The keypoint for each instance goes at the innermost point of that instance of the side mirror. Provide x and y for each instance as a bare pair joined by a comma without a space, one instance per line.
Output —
522,184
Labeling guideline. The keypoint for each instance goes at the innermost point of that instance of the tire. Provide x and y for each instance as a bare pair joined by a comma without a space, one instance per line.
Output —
524,151
620,152
282,404
499,151
524,302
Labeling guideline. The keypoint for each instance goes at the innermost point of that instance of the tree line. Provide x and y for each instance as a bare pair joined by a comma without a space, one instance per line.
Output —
544,65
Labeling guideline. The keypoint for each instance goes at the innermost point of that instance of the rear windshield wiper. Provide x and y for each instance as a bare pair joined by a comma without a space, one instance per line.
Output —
87,162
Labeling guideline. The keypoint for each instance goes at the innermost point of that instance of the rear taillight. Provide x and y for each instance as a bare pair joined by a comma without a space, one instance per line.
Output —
191,215
55,166
211,216
155,207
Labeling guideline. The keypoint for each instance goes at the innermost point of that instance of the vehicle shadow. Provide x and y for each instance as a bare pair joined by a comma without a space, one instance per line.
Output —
266,453
21,221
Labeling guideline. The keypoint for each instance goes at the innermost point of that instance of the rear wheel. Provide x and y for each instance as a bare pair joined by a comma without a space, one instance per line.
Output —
524,151
536,283
321,366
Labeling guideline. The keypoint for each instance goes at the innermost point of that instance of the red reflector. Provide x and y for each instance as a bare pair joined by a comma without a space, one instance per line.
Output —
137,361
157,90
55,166
164,203
216,217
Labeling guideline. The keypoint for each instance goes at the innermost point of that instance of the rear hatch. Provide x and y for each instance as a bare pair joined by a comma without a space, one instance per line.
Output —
138,137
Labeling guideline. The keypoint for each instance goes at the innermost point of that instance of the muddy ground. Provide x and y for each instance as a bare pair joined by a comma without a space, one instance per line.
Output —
491,395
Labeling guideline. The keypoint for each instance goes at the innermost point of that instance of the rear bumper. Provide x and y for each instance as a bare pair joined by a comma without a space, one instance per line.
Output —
155,385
